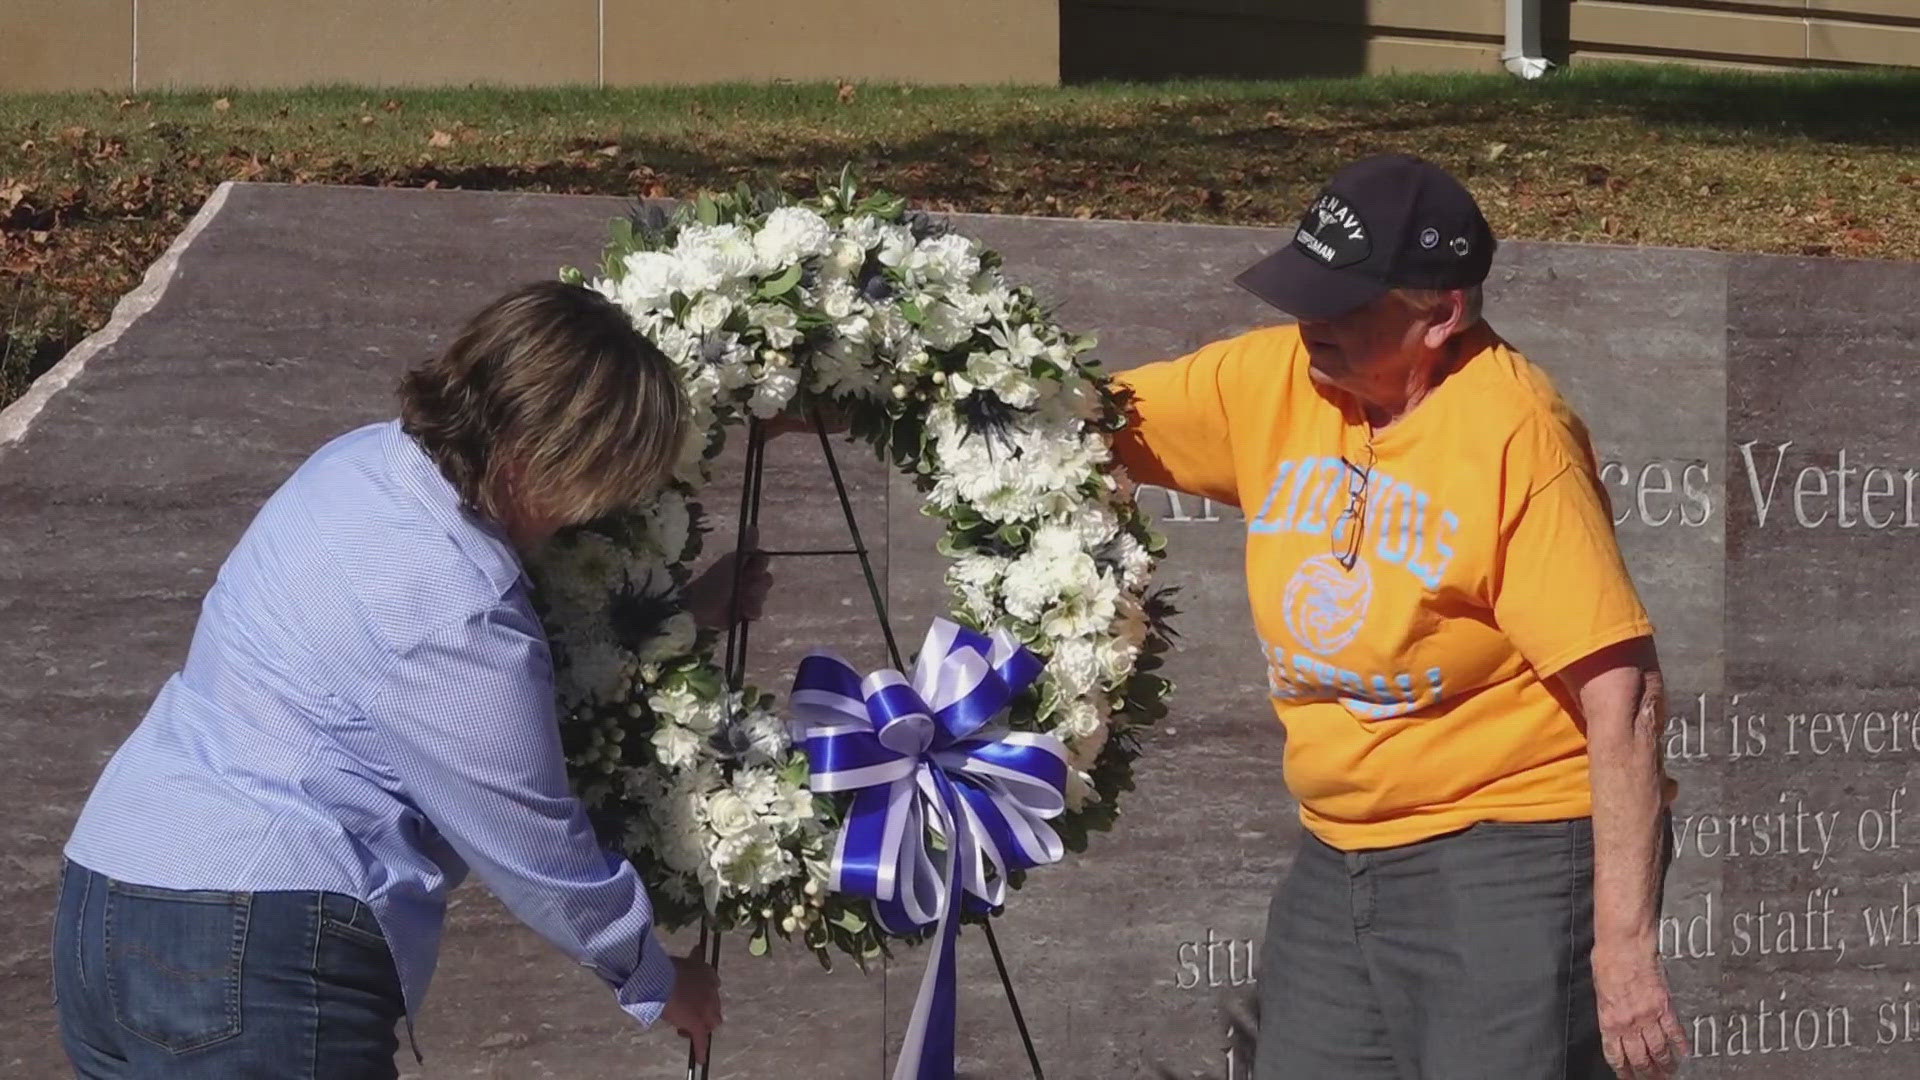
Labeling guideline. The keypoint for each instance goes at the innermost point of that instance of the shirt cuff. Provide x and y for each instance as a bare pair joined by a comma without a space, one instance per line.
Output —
644,995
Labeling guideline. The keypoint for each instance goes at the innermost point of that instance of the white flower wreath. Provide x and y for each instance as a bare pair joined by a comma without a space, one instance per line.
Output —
910,331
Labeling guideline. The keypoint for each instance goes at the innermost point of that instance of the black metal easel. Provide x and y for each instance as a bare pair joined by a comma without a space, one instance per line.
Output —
736,671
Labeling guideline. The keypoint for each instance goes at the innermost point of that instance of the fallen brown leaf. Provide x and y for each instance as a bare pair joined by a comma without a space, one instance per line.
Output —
222,105
846,92
439,140
609,151
393,105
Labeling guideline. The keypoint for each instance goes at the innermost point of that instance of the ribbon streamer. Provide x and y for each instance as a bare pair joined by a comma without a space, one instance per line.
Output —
926,756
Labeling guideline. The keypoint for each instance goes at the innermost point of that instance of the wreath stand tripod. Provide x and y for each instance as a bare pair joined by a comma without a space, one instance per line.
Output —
736,670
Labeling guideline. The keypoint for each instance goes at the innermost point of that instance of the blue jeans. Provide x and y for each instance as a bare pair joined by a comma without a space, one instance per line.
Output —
154,983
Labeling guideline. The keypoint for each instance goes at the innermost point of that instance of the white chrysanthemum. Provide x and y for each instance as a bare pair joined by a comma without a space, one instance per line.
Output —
944,326
677,343
1095,526
775,389
761,789
595,671
840,369
712,257
750,860
950,260
1087,611
1075,667
767,738
648,281
791,233
669,524
676,746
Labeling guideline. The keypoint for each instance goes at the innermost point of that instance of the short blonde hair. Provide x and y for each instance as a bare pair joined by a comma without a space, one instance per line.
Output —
553,380
1425,300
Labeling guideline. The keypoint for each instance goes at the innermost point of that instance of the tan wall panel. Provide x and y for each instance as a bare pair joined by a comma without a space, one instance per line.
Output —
1861,43
1386,54
1485,17
380,42
1607,56
66,44
922,41
1896,9
1640,26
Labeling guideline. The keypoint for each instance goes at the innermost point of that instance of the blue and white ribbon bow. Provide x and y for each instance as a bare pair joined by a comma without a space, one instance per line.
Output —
923,754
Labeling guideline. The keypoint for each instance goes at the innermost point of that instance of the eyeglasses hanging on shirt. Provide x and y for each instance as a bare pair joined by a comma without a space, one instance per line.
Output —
1346,531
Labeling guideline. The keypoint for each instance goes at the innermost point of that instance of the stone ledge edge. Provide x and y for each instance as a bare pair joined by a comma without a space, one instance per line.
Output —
17,417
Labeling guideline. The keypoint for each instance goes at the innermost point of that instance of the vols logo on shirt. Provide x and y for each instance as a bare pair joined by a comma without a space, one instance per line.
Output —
1325,605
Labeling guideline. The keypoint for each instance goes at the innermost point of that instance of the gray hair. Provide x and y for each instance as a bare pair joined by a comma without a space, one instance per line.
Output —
1425,300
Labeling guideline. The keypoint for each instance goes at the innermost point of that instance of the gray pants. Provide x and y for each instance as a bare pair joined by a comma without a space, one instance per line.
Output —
1464,957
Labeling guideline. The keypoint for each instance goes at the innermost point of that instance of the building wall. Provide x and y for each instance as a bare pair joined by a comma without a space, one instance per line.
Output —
1145,39
151,44
146,44
1766,33
1149,39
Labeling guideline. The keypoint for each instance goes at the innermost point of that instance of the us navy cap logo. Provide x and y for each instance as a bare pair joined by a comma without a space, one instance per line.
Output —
1333,234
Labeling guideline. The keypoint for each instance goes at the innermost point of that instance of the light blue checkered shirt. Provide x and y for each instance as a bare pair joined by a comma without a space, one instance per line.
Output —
367,708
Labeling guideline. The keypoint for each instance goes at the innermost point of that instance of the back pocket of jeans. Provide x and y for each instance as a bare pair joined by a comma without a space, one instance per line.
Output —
173,963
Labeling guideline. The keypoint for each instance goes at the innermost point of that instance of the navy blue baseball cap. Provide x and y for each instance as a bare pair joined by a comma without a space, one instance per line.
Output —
1387,222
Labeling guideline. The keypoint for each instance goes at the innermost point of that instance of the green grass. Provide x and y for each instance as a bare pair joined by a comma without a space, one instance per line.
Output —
92,186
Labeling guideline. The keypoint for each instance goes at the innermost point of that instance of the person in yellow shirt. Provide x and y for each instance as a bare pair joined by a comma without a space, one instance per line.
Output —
1464,671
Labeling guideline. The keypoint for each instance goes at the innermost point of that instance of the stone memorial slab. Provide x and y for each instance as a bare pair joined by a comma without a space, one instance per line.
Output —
1754,421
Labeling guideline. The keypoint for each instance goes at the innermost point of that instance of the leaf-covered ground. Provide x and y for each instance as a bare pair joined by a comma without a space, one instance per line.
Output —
92,187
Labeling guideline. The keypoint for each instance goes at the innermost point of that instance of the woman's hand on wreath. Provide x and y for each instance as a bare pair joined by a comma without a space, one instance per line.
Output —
710,597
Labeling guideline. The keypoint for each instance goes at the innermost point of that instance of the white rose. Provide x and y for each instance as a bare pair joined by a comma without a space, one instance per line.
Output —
1085,750
708,313
778,322
729,815
675,637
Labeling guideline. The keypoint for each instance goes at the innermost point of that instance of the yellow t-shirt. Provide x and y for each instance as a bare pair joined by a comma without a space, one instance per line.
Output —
1415,687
